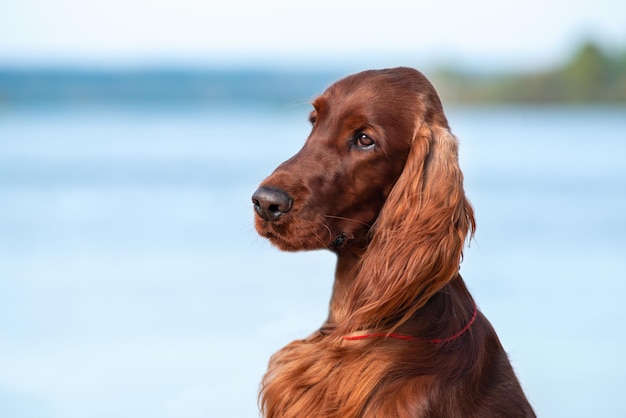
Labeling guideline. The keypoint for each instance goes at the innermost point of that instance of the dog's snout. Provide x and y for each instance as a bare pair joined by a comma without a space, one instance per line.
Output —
271,203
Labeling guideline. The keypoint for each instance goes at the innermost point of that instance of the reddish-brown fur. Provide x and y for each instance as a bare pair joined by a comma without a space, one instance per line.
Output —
396,215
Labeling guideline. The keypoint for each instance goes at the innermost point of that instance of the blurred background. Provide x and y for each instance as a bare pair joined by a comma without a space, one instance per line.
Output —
133,133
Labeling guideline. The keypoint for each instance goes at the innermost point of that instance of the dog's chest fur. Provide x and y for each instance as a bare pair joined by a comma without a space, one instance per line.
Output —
311,378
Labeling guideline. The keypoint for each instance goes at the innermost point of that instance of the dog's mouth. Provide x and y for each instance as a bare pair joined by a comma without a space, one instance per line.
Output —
282,236
277,240
279,236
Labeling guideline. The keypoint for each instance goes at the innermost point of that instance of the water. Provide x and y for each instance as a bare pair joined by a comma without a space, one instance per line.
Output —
132,282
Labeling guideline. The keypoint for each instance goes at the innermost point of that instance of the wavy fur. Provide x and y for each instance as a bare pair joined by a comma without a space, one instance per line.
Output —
419,235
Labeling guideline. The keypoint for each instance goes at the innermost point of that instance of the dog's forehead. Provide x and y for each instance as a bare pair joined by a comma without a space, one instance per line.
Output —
358,87
375,82
383,89
399,95
340,99
335,109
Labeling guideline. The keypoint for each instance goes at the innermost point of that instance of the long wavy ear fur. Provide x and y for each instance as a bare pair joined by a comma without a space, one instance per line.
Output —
418,238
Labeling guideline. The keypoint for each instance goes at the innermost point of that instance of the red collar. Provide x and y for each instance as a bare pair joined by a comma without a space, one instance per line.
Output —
415,339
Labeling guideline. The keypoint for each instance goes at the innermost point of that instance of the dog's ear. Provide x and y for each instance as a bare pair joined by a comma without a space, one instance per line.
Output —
418,238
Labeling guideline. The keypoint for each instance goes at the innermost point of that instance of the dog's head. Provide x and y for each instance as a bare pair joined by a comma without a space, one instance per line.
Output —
330,194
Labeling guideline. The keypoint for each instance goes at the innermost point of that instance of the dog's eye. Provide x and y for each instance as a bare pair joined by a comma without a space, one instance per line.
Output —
363,141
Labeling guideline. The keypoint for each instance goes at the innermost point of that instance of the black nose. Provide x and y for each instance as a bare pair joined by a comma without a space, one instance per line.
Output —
271,203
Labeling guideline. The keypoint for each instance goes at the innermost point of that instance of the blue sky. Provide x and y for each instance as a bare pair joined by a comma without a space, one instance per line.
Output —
283,32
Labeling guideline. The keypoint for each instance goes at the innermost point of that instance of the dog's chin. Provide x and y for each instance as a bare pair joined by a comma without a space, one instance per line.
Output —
290,235
336,245
291,245
294,244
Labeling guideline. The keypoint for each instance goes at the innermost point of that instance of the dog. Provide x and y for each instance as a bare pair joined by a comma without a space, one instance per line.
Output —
378,183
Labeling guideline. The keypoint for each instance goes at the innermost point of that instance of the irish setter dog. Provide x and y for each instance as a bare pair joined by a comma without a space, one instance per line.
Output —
378,183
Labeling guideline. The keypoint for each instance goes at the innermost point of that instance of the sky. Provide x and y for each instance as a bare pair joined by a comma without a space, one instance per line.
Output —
517,33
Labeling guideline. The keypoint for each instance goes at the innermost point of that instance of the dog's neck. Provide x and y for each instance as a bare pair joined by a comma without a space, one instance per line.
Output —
452,306
346,269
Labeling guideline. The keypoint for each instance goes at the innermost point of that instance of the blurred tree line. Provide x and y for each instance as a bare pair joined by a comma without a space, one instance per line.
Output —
590,76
